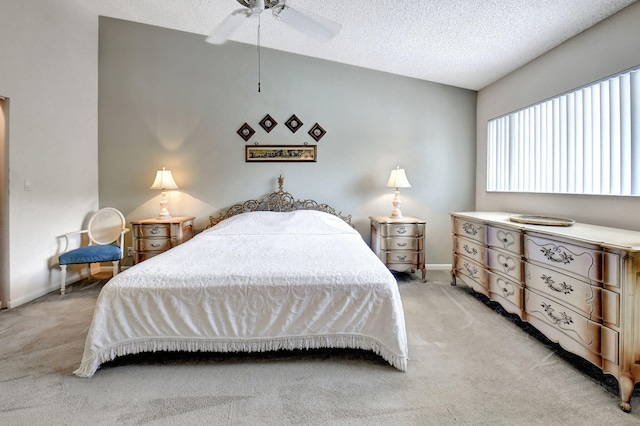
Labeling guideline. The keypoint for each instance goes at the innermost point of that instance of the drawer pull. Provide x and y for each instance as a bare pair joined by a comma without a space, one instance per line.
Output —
563,286
155,245
470,229
471,270
402,230
504,238
507,263
402,244
562,319
557,255
506,292
470,251
154,230
402,258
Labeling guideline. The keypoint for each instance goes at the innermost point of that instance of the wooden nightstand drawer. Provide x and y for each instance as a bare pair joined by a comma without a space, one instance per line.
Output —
401,256
153,244
155,230
401,244
401,230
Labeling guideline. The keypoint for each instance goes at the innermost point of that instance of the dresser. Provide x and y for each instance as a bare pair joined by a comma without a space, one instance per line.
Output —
154,236
575,284
399,243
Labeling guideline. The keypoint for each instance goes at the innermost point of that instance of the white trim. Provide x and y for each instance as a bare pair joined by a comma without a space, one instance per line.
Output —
438,267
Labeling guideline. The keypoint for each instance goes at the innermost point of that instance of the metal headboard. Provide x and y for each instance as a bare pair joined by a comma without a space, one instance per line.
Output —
278,201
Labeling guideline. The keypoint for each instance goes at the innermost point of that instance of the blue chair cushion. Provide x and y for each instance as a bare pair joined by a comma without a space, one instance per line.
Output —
91,254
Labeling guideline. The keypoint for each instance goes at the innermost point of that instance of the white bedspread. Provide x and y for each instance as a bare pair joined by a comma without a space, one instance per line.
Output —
258,281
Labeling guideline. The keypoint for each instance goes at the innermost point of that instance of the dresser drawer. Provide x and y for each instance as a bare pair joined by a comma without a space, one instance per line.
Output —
505,263
153,244
472,270
401,230
469,229
397,243
563,325
470,249
572,292
581,261
505,239
508,290
155,230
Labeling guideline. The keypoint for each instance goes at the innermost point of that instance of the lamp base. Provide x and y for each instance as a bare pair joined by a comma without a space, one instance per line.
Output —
164,203
396,213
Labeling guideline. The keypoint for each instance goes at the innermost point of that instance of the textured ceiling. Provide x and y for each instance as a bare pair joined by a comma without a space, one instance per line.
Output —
463,43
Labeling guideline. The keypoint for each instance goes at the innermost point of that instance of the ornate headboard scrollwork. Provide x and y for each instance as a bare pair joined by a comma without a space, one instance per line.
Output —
278,201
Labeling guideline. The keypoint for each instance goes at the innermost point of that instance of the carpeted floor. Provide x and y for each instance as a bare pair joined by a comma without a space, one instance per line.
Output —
470,363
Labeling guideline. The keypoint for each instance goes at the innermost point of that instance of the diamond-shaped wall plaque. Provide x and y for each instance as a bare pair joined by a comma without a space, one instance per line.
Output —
293,123
245,132
317,132
268,123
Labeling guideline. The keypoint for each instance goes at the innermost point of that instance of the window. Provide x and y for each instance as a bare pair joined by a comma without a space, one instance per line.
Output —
586,141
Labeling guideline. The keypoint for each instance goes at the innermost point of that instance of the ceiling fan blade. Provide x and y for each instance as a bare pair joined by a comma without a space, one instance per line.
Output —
308,23
226,29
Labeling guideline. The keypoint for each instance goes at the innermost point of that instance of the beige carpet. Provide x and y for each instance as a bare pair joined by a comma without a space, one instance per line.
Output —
470,363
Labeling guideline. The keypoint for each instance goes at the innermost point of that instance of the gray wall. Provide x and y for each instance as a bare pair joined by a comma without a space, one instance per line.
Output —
609,47
49,73
167,98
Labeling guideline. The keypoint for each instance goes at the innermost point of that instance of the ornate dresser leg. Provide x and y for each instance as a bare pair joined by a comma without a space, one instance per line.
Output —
626,390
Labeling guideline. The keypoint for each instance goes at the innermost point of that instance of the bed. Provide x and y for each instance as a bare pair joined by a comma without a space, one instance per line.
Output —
267,275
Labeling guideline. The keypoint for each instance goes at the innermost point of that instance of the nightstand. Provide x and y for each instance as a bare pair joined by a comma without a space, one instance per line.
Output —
399,243
154,236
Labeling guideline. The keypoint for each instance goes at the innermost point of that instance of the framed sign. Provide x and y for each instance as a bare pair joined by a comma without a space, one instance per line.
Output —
280,153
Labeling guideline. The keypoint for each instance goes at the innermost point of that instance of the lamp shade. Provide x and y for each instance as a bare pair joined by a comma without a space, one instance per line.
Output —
398,179
164,180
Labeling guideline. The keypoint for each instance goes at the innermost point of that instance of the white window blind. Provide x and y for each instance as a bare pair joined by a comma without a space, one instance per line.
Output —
583,142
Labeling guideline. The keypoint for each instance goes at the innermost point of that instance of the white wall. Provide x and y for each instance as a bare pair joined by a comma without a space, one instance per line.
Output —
49,60
167,98
611,46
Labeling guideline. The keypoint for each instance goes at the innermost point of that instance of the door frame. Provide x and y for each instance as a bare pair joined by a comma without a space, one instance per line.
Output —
4,203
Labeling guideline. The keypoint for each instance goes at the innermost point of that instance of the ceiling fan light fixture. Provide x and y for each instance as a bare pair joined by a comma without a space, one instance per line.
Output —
257,6
306,22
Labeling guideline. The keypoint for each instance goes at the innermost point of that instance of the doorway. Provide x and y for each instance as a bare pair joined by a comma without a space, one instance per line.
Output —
4,202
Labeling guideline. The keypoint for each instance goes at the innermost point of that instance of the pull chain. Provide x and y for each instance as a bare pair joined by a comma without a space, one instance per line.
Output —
258,43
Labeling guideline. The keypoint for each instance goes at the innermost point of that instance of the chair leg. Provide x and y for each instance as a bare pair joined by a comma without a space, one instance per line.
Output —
63,278
116,267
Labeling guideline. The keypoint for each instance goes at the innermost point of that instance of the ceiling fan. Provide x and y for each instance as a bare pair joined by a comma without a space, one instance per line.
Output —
305,22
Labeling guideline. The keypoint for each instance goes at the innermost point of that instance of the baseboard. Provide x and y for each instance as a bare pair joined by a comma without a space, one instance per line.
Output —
438,267
32,296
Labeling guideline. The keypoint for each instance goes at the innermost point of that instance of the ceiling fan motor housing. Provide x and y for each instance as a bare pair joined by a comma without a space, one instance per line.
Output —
268,4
